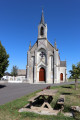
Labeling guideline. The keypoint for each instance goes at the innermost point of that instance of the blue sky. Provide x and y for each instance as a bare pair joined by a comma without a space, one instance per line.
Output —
19,21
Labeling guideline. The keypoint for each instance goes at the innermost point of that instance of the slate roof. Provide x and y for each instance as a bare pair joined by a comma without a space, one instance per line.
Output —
62,63
21,72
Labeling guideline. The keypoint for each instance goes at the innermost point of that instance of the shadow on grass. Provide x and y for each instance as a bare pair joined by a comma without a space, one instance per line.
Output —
72,84
67,109
57,106
2,86
69,87
66,93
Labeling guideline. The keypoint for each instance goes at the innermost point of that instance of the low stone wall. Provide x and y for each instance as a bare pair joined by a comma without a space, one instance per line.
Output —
18,79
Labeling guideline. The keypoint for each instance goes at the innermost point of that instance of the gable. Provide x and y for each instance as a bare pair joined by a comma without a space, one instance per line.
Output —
50,47
34,47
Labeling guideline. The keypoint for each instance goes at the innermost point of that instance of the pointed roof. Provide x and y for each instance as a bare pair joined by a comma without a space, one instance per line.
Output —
62,63
42,17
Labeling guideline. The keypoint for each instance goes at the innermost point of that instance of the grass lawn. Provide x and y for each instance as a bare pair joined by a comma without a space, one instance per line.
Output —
70,80
9,111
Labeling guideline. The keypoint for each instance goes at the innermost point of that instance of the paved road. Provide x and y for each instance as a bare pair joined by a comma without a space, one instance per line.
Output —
12,91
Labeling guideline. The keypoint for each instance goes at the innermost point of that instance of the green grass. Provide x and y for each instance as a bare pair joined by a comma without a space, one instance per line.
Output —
9,111
72,80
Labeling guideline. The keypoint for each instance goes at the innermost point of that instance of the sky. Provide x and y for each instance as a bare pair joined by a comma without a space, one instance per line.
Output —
19,20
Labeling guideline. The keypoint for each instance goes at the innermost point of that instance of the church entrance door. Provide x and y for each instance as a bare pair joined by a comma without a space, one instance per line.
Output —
61,76
42,74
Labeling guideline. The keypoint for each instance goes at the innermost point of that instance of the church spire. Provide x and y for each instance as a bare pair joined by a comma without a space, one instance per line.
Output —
42,28
42,17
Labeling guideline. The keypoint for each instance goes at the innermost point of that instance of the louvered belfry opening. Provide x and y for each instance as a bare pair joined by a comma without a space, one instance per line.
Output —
42,31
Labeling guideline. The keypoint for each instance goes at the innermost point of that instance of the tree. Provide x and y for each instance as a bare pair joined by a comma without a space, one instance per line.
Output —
14,71
75,73
4,62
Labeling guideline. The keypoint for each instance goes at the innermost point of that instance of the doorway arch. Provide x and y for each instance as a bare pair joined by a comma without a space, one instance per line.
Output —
61,76
42,74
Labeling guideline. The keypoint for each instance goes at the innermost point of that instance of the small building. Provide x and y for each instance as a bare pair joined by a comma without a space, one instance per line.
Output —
43,60
20,78
21,72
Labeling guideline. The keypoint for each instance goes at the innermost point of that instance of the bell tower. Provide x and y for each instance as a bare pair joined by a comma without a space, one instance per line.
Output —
42,28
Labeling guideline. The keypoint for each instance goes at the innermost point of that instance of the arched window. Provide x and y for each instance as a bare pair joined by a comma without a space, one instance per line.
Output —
42,31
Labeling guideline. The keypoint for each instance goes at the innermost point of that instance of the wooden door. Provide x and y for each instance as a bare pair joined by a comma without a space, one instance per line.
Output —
42,74
61,76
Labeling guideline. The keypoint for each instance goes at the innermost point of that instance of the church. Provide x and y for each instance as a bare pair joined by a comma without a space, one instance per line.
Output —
43,60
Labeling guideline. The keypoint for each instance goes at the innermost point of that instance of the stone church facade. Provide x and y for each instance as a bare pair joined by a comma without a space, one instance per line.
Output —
43,60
